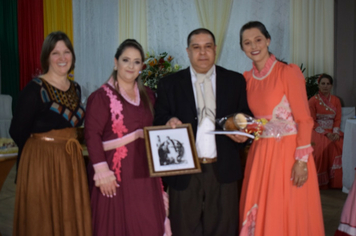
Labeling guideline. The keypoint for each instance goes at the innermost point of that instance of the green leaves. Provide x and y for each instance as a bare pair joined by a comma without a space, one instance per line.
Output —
311,83
156,67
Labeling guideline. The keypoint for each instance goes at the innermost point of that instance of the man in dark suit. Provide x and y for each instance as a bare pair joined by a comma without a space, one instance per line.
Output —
204,203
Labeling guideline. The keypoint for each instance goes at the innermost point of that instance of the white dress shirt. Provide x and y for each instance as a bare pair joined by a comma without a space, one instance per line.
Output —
205,143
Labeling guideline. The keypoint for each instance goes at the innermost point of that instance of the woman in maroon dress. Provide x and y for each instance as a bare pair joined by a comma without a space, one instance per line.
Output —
124,199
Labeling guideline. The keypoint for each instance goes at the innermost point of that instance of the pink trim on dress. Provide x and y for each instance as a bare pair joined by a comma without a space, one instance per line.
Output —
123,93
326,101
337,164
135,102
302,153
167,227
118,128
282,122
319,130
266,69
326,121
119,142
103,174
248,226
336,130
323,178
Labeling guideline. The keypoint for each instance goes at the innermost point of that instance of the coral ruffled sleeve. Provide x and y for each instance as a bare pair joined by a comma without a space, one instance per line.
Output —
294,85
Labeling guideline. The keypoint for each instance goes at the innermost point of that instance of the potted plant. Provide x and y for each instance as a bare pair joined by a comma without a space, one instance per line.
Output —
311,83
155,67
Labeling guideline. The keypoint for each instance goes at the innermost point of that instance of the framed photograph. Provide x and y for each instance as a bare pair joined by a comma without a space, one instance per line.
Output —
171,151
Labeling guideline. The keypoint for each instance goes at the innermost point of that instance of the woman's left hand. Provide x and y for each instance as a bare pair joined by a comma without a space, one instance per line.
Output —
299,173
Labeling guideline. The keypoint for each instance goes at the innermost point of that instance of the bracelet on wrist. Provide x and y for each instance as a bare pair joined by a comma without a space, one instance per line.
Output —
302,164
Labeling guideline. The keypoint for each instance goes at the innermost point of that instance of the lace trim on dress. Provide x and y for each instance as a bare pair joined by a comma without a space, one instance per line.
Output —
135,102
319,130
103,174
336,130
248,226
347,229
302,153
325,121
282,122
337,164
323,178
118,128
123,93
271,62
326,101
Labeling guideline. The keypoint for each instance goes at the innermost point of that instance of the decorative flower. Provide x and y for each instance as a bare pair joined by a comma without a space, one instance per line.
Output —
156,67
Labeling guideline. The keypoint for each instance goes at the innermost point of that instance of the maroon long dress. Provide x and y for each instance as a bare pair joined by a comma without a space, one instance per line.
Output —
137,209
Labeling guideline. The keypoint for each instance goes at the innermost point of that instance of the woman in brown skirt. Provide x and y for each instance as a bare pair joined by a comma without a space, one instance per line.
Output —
52,196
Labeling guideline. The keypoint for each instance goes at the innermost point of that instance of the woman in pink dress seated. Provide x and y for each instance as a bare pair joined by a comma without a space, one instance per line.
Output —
124,199
327,137
347,226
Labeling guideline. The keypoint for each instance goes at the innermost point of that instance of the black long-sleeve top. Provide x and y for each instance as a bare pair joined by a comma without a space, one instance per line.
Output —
42,107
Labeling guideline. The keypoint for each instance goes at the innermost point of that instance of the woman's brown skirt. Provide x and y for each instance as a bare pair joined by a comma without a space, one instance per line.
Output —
52,196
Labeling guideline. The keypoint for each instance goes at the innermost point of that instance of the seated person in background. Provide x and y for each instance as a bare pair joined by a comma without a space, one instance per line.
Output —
347,226
327,137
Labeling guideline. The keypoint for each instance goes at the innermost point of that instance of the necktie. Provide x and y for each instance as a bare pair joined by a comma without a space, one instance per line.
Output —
205,98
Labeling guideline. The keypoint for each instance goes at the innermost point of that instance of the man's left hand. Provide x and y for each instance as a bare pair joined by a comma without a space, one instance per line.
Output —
237,138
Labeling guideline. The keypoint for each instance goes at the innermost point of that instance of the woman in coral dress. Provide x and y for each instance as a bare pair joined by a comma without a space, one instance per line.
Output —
347,226
280,194
327,137
124,199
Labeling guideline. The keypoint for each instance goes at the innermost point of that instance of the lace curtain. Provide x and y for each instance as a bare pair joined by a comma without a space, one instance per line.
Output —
273,14
95,32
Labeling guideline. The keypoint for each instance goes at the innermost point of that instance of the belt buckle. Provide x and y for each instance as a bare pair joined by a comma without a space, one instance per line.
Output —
204,160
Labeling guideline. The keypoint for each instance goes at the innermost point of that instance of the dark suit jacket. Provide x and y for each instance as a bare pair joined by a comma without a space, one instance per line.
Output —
175,98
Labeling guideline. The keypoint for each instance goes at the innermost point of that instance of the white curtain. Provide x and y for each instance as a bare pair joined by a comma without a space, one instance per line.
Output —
273,14
132,21
96,33
95,26
168,25
170,22
215,15
312,35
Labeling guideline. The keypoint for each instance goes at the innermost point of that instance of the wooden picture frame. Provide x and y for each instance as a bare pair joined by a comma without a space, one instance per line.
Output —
171,151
